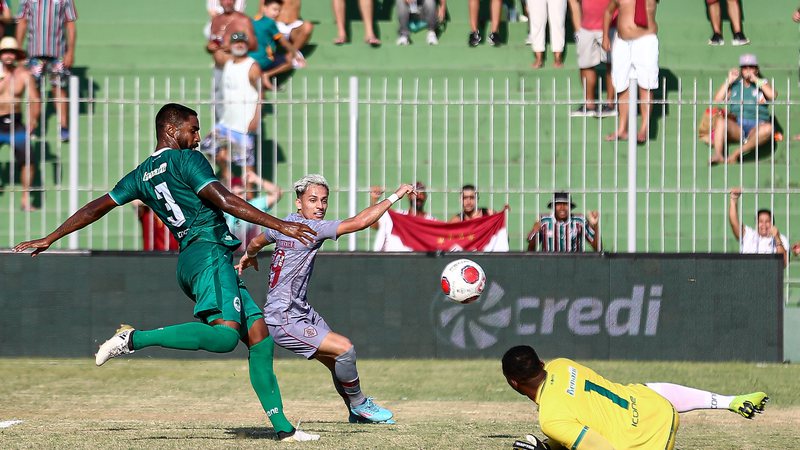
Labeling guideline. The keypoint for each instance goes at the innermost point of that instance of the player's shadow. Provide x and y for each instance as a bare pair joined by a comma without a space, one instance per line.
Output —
253,433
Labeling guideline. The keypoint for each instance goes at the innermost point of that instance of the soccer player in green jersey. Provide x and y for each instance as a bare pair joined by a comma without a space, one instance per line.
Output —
178,184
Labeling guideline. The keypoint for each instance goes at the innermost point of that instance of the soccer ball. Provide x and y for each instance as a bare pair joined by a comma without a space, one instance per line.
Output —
463,281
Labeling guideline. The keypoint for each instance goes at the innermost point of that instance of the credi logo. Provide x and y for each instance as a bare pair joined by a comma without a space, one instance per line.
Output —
585,316
477,326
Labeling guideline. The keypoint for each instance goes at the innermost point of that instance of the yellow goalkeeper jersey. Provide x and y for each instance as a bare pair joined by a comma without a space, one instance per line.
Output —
581,410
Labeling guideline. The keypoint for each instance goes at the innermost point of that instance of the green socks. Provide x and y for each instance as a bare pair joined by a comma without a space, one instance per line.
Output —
189,336
265,384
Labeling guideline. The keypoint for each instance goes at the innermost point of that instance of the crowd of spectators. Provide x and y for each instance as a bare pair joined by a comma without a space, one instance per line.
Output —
249,52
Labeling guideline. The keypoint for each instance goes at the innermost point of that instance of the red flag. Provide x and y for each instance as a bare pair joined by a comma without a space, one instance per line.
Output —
417,234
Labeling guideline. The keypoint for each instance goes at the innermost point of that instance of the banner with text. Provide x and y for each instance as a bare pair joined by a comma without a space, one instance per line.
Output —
601,306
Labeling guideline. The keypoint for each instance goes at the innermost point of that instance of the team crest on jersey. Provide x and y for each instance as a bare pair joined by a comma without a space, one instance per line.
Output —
237,304
309,332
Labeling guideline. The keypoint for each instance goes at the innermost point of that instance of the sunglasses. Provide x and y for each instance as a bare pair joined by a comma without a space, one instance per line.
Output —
749,67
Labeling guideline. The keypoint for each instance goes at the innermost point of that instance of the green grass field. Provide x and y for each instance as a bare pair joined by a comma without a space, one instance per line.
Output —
153,403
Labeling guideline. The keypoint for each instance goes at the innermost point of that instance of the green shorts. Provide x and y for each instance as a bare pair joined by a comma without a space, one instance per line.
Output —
206,274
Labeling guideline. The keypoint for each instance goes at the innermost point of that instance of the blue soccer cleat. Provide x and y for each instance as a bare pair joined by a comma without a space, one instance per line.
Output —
369,411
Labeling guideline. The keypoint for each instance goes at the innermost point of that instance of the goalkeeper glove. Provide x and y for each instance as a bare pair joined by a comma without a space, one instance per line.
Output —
531,442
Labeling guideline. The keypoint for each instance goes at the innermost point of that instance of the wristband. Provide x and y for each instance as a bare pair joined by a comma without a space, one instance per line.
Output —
393,198
761,82
247,253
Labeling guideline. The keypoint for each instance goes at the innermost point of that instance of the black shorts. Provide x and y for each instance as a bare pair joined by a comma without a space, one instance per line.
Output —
13,132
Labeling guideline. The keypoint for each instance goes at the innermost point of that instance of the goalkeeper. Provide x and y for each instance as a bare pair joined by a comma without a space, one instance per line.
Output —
579,409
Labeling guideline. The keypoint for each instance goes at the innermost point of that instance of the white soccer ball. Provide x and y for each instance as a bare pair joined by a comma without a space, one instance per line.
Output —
463,281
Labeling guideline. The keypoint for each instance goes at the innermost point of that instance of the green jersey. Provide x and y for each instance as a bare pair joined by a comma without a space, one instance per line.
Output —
267,36
168,182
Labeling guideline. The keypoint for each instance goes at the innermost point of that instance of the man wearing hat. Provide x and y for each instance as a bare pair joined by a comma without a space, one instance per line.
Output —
232,142
562,231
14,82
749,122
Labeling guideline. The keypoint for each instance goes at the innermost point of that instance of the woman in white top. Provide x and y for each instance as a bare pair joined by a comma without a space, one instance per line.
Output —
765,238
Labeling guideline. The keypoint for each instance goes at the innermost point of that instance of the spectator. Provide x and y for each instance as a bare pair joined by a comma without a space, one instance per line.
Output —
214,8
469,209
233,139
296,30
366,8
748,120
587,19
562,231
416,207
432,14
219,40
271,62
764,239
495,8
244,230
5,16
14,85
155,235
540,13
50,30
735,14
635,53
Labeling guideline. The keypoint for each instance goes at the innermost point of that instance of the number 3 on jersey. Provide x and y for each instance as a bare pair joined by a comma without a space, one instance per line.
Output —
162,192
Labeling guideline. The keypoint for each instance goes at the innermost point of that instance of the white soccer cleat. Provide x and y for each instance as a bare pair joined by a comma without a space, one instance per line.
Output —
116,346
300,436
432,39
403,40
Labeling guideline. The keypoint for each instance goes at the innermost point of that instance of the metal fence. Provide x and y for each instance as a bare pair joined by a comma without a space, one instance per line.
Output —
513,138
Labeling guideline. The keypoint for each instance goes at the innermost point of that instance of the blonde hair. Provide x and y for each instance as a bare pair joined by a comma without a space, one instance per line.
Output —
300,186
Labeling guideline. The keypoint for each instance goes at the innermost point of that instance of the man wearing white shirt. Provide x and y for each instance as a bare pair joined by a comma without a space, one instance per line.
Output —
764,239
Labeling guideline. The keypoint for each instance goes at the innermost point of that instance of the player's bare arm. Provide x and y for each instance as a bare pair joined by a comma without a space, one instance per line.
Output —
90,213
374,194
250,257
370,215
232,204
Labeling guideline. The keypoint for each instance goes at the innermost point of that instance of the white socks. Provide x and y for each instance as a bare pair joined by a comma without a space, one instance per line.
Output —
687,399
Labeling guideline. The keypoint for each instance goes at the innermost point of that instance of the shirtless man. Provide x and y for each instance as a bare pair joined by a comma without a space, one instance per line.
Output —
219,44
14,82
635,52
296,30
